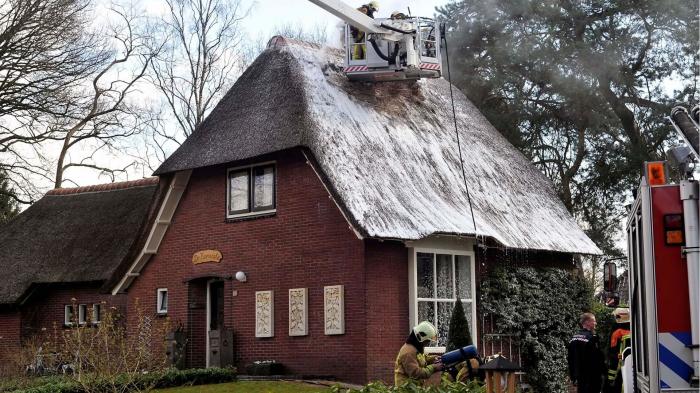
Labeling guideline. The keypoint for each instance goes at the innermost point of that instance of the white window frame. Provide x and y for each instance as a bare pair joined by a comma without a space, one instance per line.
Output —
251,186
68,313
413,287
159,299
96,313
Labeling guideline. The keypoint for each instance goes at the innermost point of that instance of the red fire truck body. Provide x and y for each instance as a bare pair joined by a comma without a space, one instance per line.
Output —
662,247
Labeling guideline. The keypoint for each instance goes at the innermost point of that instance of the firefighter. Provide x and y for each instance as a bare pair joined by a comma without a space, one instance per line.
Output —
412,364
586,360
397,15
358,48
468,370
619,341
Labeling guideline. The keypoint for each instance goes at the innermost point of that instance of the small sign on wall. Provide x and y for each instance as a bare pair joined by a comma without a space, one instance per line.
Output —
334,309
205,256
264,314
298,312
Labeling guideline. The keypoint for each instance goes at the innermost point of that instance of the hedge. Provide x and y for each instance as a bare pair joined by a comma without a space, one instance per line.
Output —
170,378
541,307
451,387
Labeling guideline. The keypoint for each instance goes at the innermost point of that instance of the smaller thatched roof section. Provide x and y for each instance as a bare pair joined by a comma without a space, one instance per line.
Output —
73,235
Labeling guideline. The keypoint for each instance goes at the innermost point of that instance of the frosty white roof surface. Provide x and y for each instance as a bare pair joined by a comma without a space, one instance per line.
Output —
388,150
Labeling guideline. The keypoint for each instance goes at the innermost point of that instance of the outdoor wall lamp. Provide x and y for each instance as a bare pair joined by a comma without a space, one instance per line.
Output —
240,276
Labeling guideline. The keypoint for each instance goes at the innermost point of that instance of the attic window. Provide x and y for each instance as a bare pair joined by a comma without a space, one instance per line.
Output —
251,190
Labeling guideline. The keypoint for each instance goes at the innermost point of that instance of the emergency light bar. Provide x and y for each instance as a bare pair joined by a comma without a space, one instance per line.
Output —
655,172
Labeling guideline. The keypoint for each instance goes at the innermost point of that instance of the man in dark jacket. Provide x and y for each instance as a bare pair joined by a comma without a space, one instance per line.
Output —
586,360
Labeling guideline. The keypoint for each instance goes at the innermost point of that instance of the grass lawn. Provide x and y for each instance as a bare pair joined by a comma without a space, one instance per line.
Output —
250,387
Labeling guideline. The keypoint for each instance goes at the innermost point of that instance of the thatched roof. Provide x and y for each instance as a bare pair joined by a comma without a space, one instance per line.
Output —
387,150
73,235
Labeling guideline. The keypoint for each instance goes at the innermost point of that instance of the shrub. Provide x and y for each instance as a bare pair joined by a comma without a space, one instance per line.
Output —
541,308
127,383
451,387
458,336
102,357
206,376
108,358
606,324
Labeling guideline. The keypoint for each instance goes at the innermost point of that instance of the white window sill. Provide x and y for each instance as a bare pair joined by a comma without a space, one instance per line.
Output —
251,214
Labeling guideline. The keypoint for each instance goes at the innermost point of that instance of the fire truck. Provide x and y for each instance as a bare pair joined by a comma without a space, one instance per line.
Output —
664,270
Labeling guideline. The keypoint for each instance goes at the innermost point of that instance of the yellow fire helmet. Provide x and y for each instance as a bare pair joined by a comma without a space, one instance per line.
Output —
374,5
622,315
425,332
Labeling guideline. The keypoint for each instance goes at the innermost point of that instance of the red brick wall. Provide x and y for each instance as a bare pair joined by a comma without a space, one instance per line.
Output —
45,309
306,244
387,306
9,340
9,330
44,312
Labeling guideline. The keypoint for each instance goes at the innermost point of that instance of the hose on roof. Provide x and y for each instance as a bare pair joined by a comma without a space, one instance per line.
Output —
392,28
454,119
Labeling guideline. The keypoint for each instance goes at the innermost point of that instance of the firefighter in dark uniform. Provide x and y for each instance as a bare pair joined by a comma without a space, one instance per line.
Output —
359,49
586,360
620,340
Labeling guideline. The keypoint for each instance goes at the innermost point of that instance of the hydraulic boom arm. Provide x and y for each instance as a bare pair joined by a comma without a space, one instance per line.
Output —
357,19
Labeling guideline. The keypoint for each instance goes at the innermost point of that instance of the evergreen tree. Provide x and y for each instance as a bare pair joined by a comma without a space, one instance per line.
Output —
582,88
459,335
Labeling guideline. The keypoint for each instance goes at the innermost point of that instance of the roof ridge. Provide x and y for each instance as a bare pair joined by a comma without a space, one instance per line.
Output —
105,186
280,41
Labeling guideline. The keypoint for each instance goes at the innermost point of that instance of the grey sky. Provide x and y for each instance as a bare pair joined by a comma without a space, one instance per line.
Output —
266,14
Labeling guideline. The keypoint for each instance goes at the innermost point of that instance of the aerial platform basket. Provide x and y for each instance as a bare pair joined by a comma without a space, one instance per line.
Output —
369,57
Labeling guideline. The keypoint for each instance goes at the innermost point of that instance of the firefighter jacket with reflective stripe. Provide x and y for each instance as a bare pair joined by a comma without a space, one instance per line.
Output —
619,341
411,365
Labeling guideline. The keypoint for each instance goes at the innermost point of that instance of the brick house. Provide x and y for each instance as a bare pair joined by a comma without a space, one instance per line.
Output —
58,255
313,221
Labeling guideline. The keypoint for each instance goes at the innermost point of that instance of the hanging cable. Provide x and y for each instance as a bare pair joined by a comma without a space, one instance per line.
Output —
454,118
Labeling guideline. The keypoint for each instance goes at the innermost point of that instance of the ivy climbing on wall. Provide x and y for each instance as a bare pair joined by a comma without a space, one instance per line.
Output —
539,306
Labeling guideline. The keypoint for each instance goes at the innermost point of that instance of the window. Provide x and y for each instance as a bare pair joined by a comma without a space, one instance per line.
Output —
440,278
82,314
96,313
162,305
68,315
251,190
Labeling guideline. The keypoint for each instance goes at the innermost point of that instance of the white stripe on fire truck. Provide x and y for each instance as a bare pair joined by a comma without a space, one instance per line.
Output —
675,359
430,66
669,379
